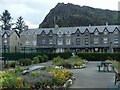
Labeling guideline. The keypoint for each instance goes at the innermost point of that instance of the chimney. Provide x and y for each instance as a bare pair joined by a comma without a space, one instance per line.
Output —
89,25
56,26
106,23
26,27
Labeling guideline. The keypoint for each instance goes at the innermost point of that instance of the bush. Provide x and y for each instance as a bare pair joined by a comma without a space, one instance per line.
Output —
62,75
35,60
66,65
6,65
25,62
12,64
40,58
10,79
57,61
66,54
45,57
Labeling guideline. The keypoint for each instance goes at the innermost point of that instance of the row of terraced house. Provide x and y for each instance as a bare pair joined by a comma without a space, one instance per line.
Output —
84,39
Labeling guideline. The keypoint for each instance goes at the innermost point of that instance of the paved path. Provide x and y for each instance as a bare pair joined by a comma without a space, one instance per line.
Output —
90,78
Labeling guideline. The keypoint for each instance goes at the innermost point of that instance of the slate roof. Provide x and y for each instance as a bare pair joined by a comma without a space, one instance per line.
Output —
64,30
9,32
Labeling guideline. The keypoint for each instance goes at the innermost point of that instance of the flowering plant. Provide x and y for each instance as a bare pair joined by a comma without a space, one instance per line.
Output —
61,75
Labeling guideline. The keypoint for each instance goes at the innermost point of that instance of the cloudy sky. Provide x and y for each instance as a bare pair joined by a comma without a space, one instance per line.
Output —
34,11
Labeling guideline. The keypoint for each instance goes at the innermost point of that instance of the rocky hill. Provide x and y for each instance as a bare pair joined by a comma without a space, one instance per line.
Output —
68,15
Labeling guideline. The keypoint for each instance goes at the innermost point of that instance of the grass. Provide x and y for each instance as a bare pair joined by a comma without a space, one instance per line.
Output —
75,60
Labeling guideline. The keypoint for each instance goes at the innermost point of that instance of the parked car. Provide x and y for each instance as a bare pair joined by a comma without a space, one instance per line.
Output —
33,68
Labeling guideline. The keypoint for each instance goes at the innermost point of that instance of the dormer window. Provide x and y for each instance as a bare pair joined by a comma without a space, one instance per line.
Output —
77,33
50,35
5,36
27,34
34,34
116,32
96,33
68,33
86,33
60,34
105,33
34,42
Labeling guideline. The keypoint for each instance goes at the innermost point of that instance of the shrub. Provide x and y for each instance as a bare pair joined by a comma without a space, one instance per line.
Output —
40,58
35,60
10,79
25,62
57,61
12,64
66,65
6,65
39,79
62,75
45,57
66,54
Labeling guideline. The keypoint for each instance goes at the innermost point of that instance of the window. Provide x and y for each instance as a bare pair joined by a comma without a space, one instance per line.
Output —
105,32
50,41
34,34
105,40
60,34
116,32
96,33
27,43
86,41
116,40
68,33
68,41
5,35
5,42
60,41
34,42
43,41
77,41
50,35
96,40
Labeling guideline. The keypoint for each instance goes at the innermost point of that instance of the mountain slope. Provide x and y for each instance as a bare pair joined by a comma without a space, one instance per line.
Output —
66,15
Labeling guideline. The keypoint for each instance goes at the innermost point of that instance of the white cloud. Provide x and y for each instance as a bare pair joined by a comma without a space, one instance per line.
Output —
31,25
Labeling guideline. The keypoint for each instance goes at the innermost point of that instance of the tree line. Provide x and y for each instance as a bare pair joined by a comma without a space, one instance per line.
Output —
6,20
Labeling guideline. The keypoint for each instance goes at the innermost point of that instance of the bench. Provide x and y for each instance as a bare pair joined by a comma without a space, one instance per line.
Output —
99,66
117,77
105,66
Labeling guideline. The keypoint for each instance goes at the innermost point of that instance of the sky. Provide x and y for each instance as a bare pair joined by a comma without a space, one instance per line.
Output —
34,11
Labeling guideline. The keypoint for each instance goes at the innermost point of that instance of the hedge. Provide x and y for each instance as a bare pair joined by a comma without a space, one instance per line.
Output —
99,56
17,56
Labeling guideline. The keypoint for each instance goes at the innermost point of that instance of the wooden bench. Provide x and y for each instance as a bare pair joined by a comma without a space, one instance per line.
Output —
117,77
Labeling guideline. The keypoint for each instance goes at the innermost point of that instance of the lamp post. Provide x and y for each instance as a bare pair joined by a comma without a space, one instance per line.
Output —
4,53
110,47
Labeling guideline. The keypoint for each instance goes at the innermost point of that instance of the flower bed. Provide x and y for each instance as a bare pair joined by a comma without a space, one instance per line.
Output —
52,78
73,63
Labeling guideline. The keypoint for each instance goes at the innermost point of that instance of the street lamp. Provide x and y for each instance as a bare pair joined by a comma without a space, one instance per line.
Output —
110,47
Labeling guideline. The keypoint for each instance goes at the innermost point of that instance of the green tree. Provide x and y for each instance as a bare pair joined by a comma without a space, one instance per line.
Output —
20,24
5,18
